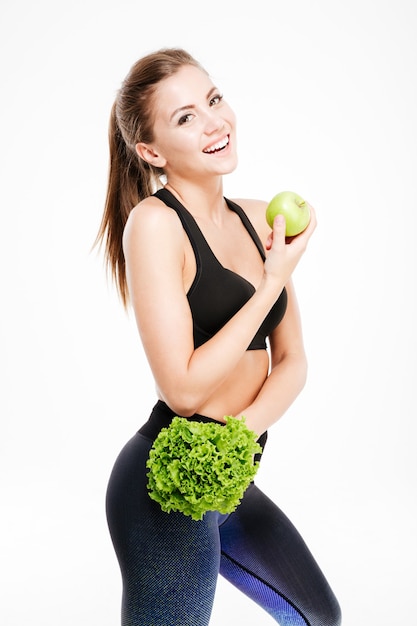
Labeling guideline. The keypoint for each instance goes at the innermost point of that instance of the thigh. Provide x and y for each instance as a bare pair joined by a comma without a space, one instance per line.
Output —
169,562
264,555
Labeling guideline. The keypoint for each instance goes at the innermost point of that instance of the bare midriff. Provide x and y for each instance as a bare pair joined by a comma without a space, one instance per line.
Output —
240,389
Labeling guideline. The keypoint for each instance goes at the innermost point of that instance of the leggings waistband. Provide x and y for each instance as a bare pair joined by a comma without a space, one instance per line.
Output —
161,417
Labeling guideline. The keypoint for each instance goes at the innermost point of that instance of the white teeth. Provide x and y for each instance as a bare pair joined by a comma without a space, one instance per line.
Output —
218,146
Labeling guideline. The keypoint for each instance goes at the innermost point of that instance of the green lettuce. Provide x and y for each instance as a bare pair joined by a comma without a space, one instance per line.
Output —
196,467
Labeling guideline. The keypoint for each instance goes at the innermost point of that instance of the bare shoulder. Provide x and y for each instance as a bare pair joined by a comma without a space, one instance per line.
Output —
152,220
255,210
151,213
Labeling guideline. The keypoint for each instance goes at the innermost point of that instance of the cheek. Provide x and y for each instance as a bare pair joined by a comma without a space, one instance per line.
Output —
172,148
182,153
187,142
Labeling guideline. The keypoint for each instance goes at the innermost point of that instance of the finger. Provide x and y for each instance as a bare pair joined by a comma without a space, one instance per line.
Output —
277,236
279,228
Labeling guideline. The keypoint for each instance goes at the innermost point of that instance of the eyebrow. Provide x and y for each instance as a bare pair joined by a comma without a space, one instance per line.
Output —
187,107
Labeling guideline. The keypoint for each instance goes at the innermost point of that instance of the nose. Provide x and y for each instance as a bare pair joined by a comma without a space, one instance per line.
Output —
213,123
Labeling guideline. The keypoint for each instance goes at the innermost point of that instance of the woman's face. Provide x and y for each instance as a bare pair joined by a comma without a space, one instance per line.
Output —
194,128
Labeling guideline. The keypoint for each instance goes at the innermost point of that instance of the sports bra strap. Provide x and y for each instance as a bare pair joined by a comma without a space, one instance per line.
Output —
192,229
188,222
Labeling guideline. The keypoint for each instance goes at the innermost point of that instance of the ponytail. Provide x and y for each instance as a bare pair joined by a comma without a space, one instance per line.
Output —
131,179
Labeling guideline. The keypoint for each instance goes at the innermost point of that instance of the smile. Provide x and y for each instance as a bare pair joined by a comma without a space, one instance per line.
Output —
216,147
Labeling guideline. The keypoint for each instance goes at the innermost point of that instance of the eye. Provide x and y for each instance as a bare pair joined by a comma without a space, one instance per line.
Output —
216,99
184,119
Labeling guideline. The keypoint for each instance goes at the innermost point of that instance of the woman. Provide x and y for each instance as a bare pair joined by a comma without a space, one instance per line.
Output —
193,267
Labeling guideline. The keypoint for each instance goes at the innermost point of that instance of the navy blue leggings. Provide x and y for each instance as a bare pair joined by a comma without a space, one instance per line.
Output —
170,563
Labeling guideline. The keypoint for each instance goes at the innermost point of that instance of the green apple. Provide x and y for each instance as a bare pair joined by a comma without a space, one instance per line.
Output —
295,210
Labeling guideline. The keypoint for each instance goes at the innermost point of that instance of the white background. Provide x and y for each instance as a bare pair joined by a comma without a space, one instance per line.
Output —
326,99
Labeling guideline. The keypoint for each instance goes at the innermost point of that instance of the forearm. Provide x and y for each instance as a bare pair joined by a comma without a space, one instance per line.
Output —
212,363
186,377
279,391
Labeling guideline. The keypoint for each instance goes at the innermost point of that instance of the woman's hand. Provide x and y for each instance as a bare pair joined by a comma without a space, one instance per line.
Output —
283,254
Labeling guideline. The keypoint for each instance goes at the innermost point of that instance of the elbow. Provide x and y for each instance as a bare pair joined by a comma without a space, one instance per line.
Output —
183,392
184,402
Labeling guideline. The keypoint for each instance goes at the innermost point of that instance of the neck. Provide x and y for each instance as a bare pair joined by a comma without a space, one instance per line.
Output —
203,200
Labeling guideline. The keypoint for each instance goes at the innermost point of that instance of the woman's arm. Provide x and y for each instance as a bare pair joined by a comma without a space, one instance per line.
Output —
288,371
154,245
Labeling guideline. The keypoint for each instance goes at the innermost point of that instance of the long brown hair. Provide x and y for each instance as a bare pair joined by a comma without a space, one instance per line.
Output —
131,179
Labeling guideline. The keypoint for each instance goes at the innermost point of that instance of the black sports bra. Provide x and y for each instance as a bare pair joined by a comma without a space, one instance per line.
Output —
217,293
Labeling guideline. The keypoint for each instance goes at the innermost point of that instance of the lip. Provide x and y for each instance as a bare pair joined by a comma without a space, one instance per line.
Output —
208,149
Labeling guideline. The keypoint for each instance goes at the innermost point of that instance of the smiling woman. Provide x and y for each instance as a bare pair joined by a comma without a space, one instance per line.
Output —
185,133
210,285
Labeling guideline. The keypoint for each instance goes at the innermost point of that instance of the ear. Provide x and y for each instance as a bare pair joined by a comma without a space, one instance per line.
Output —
149,154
